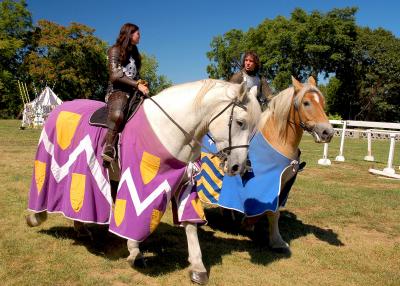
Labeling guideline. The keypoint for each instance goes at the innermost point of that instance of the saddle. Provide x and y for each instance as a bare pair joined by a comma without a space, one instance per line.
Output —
99,117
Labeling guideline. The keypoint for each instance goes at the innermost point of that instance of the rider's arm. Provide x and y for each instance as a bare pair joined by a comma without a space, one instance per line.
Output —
236,78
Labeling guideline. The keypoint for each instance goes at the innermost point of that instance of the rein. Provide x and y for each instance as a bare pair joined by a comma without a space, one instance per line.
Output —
222,154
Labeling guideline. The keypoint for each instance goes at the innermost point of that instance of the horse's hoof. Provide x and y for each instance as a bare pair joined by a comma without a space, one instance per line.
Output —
84,235
29,221
198,277
281,250
140,263
137,263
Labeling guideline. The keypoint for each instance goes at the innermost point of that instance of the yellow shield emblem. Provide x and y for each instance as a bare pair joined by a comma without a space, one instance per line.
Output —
149,167
119,211
77,191
40,174
156,216
65,127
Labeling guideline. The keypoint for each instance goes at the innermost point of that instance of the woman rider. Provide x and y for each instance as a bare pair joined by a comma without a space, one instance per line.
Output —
124,62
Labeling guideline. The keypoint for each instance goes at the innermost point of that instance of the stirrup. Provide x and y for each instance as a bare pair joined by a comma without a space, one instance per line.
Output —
108,156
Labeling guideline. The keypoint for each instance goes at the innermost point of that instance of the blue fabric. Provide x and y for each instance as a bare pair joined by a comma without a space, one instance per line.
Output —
257,191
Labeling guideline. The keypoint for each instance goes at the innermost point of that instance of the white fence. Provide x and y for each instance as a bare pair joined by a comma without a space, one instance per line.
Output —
386,130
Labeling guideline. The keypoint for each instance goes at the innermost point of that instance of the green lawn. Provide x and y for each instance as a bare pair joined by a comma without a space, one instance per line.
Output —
341,222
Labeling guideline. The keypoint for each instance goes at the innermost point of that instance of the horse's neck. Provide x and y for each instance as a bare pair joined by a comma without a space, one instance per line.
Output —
178,105
288,145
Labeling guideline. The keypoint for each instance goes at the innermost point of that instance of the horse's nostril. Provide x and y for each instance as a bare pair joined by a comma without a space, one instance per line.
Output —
235,168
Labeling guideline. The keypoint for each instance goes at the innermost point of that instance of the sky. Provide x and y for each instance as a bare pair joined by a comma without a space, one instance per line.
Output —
178,33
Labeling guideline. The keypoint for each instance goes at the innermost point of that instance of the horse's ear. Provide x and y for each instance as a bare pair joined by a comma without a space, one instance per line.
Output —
312,81
296,84
242,91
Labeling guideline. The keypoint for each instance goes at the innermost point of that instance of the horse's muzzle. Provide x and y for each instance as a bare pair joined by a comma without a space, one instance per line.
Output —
323,132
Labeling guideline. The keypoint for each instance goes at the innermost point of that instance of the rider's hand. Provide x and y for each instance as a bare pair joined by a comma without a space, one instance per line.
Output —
143,89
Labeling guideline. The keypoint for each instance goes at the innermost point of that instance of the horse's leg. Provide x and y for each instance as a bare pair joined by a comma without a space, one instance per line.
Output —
198,272
135,258
276,243
82,230
36,219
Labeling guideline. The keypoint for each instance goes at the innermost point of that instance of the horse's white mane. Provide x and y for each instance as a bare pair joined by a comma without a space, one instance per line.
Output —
208,85
280,105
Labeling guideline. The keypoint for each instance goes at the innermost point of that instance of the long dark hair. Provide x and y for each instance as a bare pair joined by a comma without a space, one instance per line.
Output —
126,48
256,60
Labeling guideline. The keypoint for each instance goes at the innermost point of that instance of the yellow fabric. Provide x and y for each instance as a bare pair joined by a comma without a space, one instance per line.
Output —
208,187
149,167
40,174
156,216
77,191
119,211
198,207
210,172
66,125
203,197
215,160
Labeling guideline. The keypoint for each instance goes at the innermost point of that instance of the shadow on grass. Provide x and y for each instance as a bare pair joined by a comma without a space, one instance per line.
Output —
165,251
290,227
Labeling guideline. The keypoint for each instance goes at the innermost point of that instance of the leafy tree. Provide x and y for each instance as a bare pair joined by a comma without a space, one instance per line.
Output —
70,57
304,45
226,54
15,34
378,65
149,73
364,63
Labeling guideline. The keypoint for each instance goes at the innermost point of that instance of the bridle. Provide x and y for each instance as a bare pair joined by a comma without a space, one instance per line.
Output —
302,124
222,154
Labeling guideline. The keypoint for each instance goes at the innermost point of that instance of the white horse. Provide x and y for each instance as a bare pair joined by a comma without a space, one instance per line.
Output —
225,110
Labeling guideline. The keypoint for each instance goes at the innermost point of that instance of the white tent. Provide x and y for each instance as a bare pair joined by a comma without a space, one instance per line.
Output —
35,112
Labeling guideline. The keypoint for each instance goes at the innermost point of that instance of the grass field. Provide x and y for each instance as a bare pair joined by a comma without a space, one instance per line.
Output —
341,222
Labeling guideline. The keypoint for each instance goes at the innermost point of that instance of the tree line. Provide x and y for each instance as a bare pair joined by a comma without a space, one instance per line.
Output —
359,66
70,58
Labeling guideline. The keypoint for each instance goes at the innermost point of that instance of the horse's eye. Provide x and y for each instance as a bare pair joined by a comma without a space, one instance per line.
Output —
306,103
240,123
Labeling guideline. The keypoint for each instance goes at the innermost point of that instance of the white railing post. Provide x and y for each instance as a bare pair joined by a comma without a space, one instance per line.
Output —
369,156
340,157
389,169
324,160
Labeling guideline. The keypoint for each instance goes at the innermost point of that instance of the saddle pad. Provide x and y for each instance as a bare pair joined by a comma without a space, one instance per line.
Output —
99,117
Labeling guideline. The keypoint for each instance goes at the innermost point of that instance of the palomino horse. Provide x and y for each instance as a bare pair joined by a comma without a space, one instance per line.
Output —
274,157
154,150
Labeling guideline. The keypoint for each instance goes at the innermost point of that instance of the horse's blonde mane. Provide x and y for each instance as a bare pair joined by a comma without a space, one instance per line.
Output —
280,105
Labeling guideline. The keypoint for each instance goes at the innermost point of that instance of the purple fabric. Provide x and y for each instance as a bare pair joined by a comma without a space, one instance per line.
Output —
141,199
144,202
55,194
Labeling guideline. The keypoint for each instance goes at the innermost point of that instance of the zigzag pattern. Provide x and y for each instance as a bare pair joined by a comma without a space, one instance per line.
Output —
85,146
141,206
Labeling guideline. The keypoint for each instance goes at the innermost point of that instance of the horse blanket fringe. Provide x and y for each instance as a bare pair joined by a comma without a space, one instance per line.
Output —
68,176
263,188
